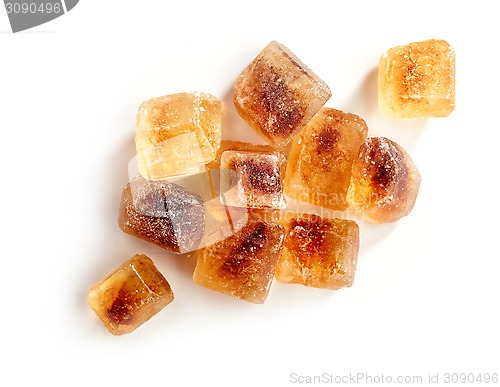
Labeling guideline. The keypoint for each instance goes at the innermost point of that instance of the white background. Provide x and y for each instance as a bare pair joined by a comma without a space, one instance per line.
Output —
426,295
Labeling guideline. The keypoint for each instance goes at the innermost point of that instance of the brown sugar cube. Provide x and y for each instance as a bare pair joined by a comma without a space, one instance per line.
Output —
178,133
243,264
417,80
213,167
319,164
319,252
130,296
162,213
252,179
223,220
384,182
277,94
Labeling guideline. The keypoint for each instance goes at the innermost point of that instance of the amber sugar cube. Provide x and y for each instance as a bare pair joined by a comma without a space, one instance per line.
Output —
130,296
213,167
163,213
252,179
243,264
319,252
320,160
277,94
236,214
417,80
176,134
384,182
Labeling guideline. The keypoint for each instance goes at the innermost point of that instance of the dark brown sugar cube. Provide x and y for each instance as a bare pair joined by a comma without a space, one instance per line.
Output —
417,80
319,164
252,179
130,296
277,94
163,213
384,182
243,264
319,252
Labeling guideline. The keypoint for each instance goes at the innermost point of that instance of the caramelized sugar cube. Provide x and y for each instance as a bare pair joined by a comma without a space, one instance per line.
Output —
319,252
163,213
277,94
221,218
384,182
258,181
130,296
243,264
176,134
320,160
417,80
213,167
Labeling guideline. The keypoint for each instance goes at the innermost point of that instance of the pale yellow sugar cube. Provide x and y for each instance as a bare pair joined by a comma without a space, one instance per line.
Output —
176,134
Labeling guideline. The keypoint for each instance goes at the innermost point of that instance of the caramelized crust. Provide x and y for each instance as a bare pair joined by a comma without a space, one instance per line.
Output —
252,179
243,264
162,213
277,94
130,296
319,252
384,182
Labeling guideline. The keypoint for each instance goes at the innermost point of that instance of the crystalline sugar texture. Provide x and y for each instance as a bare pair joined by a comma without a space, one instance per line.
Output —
417,80
384,182
277,94
319,252
163,213
236,214
243,264
258,181
176,134
213,168
130,296
320,160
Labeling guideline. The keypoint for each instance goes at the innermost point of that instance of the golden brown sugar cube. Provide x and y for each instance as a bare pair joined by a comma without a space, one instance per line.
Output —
213,168
234,216
384,182
319,164
318,252
130,296
178,133
417,80
243,264
163,213
277,94
252,179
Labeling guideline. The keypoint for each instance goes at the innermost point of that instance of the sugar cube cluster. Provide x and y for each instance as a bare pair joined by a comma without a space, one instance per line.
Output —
227,201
